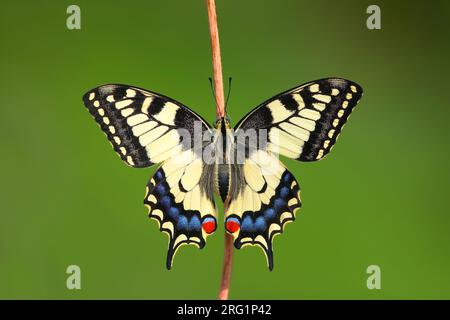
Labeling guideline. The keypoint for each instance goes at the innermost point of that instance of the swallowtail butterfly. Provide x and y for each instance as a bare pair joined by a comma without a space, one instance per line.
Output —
260,194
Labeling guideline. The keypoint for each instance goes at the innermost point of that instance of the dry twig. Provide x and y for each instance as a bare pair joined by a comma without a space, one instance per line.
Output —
220,112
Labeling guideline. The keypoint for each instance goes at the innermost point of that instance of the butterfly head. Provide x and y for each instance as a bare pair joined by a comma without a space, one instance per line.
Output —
222,123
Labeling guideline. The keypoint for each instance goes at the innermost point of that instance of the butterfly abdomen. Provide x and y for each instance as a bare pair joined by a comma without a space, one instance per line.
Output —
223,180
224,159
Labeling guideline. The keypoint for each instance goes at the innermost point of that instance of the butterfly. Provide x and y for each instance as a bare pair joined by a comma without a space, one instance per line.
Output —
241,165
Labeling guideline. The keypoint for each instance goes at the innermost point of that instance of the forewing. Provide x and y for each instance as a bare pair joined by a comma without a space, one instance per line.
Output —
303,123
143,127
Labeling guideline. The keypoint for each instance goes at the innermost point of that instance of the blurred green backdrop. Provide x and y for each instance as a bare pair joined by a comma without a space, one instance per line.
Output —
378,198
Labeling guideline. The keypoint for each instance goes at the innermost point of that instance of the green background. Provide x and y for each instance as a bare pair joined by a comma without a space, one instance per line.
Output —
381,197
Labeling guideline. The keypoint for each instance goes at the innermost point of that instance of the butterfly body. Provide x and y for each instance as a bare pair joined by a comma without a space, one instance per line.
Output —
240,164
222,164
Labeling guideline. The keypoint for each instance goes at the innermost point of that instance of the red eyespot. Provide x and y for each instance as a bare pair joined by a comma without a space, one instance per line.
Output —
209,225
232,225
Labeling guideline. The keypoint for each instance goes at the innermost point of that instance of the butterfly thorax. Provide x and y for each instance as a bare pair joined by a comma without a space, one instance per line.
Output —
224,145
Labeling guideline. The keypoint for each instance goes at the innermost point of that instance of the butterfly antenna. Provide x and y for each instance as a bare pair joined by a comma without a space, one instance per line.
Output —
229,91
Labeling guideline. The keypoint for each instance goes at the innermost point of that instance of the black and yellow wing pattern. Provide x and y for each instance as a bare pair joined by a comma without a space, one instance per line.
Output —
264,200
302,123
146,128
260,194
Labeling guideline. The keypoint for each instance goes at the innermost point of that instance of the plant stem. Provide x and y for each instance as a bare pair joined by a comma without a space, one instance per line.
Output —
220,112
226,269
216,59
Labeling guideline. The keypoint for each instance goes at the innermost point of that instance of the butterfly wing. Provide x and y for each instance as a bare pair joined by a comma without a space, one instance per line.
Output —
302,123
265,199
146,128
143,127
180,198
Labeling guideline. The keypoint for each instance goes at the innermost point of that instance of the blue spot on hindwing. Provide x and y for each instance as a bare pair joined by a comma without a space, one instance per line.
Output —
160,189
260,224
269,213
173,213
209,219
278,204
287,177
182,222
247,224
236,220
284,192
158,175
194,224
165,202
